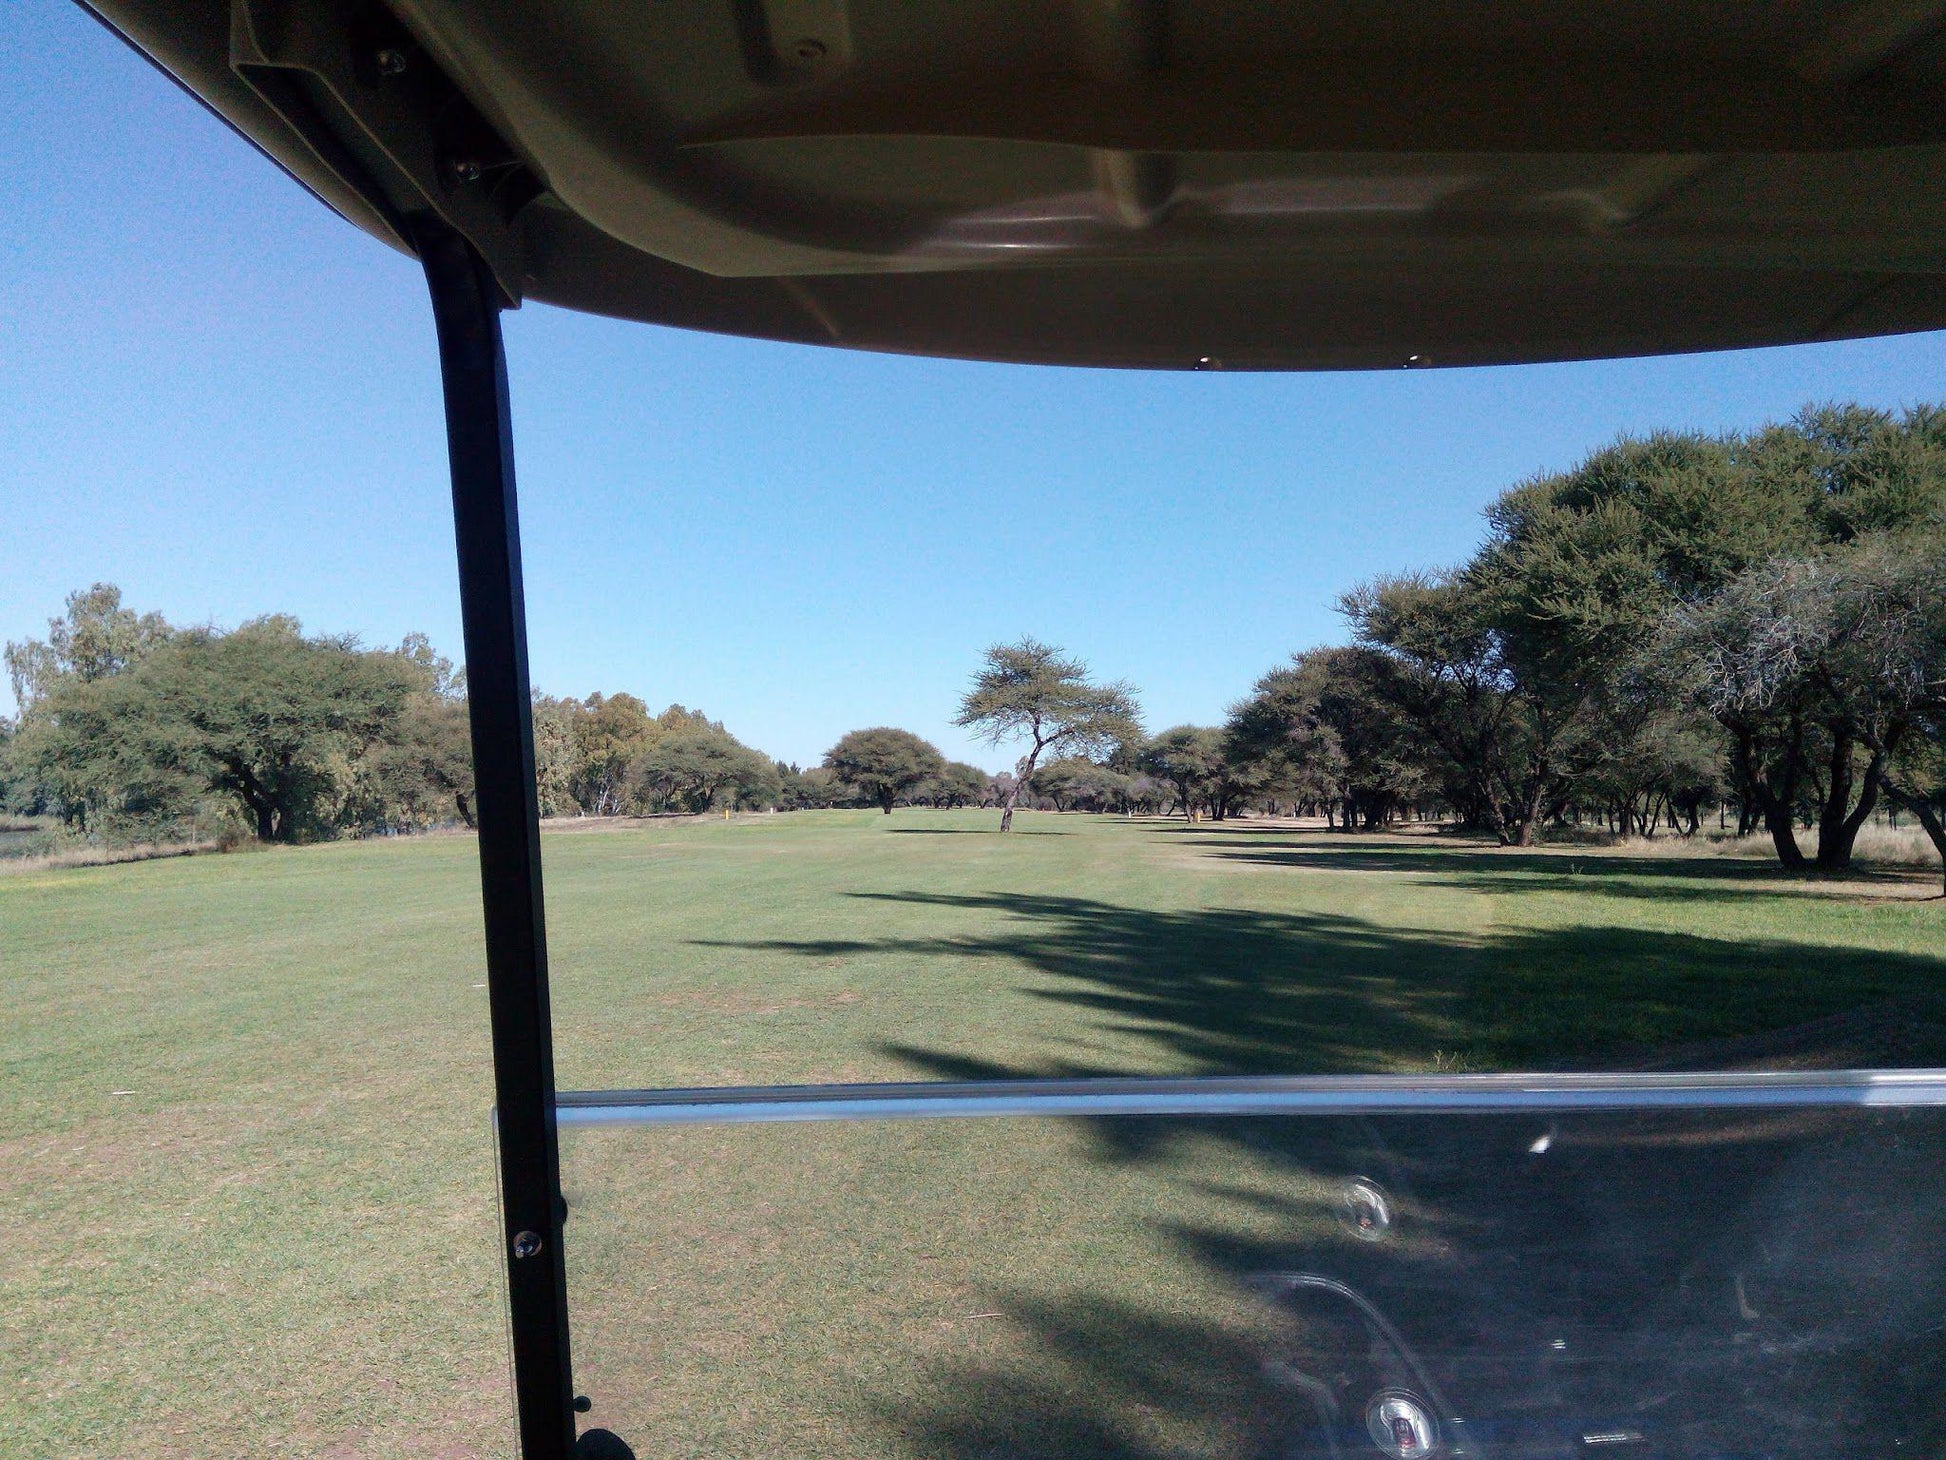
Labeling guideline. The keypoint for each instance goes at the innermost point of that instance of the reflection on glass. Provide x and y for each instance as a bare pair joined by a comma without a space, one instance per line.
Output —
1682,1284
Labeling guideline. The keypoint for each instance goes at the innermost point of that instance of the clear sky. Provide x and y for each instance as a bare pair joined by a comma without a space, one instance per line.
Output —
222,397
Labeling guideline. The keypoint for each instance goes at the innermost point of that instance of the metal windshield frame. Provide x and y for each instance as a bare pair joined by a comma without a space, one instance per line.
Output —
486,526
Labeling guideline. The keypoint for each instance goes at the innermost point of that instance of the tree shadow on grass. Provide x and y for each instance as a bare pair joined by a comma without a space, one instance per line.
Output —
1108,1380
1638,1244
1212,991
1208,991
1783,1303
1591,872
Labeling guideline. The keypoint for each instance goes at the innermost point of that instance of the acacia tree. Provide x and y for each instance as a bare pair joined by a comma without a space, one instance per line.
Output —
959,784
696,766
554,754
1324,731
1854,637
884,763
1583,572
1032,691
1189,758
1073,783
80,745
610,732
419,771
96,637
280,722
1502,737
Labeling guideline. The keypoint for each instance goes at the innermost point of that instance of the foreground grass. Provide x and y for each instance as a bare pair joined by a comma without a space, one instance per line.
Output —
245,1164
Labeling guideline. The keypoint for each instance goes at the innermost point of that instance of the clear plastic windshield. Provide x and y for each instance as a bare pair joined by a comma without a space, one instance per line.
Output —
1740,1279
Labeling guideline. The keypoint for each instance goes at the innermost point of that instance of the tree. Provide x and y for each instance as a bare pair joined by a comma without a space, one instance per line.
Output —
609,733
555,755
695,767
95,752
264,715
274,716
816,788
884,763
1075,783
1582,571
419,770
1032,691
1501,737
959,784
1853,637
1188,757
97,637
1326,731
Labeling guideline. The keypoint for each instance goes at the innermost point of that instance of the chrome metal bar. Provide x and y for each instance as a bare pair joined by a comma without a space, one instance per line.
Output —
1250,1095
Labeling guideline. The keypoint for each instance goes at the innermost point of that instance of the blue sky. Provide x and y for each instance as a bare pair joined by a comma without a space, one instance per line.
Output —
220,396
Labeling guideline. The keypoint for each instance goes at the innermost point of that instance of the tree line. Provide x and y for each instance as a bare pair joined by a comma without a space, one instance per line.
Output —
1749,626
133,729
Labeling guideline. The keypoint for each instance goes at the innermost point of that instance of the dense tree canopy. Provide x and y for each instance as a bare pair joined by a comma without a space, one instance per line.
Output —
1075,783
884,764
1677,621
1853,639
695,767
280,722
95,638
132,728
957,784
1327,731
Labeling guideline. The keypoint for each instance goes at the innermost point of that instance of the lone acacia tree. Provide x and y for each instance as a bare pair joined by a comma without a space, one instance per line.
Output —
1030,690
884,763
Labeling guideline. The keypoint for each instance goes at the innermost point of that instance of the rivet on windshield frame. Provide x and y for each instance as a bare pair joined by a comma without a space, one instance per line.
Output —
1417,362
390,61
466,169
527,1244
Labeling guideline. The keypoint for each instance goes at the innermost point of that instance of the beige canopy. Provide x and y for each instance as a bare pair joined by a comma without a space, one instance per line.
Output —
1234,184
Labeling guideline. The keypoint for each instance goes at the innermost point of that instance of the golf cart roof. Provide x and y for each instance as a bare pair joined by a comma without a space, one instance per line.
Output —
1216,183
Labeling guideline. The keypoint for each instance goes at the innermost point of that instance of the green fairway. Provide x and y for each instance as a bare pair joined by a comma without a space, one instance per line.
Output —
247,1165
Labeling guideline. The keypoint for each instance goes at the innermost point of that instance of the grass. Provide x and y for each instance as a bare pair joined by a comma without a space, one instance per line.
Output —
245,1166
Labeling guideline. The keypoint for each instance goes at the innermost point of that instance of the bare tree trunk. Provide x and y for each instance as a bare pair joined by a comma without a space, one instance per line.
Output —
1837,831
1774,803
1023,769
1928,817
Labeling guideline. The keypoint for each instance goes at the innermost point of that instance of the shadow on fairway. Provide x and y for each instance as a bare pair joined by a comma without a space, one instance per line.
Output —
1210,991
1602,1248
1109,1371
1832,1219
1591,872
1604,1256
1234,991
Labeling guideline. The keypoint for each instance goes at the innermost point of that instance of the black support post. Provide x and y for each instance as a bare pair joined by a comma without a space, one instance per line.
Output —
479,438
